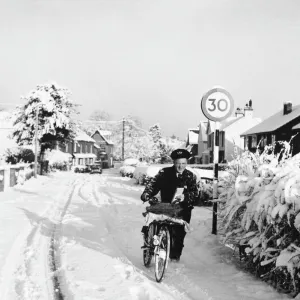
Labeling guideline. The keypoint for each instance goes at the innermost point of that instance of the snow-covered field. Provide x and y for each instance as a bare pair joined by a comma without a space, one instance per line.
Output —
77,236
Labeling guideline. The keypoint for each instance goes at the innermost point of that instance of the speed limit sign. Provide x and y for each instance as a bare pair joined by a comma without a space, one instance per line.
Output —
217,104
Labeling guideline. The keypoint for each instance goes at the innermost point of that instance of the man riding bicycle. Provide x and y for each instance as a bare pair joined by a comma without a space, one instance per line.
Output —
167,182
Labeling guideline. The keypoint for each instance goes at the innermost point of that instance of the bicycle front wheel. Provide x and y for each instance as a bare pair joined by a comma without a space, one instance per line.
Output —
149,250
162,252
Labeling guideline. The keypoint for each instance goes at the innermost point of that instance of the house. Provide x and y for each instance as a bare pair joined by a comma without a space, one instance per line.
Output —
231,143
105,147
197,143
192,143
281,126
82,149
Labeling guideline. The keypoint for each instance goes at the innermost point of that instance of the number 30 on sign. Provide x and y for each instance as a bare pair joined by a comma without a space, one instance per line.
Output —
217,104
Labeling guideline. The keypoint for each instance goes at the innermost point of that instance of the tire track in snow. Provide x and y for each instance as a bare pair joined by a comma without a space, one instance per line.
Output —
58,279
34,276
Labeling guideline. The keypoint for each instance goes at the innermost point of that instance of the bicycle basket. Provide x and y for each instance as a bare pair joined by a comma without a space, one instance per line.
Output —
168,209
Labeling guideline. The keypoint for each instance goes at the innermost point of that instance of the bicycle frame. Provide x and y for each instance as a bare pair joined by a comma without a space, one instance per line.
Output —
157,243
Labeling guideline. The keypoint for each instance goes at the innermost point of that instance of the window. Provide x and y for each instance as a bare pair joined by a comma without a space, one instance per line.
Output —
263,141
254,142
273,138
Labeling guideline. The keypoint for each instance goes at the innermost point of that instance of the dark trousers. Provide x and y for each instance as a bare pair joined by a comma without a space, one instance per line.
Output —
178,234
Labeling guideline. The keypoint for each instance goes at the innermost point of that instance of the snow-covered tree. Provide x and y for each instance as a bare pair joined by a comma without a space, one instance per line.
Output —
136,139
155,132
100,115
55,124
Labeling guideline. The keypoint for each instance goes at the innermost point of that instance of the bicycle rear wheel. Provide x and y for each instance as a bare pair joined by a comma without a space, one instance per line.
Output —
149,250
162,252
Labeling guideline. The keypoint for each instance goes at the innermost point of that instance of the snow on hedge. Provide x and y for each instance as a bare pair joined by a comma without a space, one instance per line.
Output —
57,158
127,171
260,209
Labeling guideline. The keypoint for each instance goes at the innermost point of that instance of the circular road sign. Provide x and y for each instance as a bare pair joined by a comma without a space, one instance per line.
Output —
217,104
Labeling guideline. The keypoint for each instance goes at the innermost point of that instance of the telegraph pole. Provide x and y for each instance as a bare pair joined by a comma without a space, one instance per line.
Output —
36,141
123,138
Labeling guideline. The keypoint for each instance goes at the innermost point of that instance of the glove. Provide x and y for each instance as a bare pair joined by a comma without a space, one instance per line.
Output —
153,201
145,197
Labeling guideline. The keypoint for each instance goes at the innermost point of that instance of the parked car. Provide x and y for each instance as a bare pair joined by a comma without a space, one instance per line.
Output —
95,169
82,169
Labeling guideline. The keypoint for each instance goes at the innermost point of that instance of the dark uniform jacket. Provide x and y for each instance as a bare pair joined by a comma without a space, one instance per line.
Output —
166,182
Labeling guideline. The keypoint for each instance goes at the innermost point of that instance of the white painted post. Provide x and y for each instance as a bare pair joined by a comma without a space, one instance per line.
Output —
216,177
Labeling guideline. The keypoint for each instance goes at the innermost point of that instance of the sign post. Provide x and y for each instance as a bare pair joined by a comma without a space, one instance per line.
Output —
217,105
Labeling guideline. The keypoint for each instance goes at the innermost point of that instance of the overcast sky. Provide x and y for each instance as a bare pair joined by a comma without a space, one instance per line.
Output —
153,59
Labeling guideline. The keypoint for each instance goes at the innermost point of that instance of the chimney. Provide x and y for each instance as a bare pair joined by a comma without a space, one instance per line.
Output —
287,108
239,112
248,109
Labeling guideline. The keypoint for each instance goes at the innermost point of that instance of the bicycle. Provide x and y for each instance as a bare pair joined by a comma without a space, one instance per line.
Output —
157,243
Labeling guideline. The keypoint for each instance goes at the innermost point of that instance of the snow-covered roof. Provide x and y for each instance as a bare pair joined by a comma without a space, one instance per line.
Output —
229,121
296,127
82,136
274,122
234,126
103,136
96,146
107,141
105,132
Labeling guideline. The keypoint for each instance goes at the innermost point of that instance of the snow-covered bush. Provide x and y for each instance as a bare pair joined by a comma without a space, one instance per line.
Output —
127,171
129,167
260,212
18,154
57,159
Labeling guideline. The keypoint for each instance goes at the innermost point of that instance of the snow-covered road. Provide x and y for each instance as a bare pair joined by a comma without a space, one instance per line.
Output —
77,236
